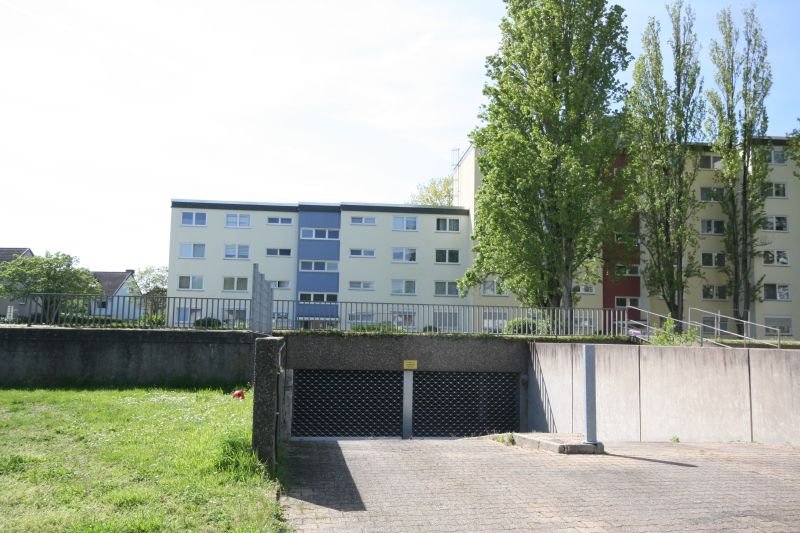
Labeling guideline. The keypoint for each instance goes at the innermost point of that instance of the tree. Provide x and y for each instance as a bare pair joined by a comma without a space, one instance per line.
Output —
662,122
438,191
151,281
793,147
56,273
737,124
547,146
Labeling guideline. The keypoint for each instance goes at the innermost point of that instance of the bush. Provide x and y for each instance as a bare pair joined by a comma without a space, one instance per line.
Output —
380,327
520,326
154,320
669,337
430,329
208,323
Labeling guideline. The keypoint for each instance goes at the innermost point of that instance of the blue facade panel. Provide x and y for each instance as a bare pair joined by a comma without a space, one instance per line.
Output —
317,249
316,219
317,282
318,310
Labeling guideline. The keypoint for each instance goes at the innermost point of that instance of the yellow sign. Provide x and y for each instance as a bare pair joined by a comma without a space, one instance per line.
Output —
409,364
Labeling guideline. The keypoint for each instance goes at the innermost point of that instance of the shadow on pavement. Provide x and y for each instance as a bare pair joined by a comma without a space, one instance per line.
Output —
317,473
673,463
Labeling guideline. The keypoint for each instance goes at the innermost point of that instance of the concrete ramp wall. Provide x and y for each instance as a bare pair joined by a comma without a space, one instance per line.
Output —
654,393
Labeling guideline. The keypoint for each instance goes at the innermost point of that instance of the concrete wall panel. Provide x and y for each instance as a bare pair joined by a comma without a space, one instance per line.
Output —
550,408
775,382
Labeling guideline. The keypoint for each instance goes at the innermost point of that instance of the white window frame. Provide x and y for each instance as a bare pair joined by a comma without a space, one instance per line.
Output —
306,297
403,287
404,223
362,252
628,271
312,234
357,285
360,220
584,288
714,162
236,283
406,252
628,301
314,266
772,333
486,291
778,286
713,222
448,222
715,292
243,220
278,252
279,221
280,284
450,288
772,220
446,320
714,259
193,247
771,156
447,256
714,192
772,187
195,283
194,218
774,253
237,252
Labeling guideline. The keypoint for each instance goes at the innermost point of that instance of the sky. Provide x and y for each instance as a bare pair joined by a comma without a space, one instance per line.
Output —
109,109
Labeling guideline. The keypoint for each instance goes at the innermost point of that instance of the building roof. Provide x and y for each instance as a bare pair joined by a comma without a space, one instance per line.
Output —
7,254
112,281
345,206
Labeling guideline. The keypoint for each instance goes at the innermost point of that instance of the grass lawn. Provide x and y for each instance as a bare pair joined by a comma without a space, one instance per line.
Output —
131,460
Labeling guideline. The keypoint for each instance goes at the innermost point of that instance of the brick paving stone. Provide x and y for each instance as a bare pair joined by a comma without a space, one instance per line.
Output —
480,485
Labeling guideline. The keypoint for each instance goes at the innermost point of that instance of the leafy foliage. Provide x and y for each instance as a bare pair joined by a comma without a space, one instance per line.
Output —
547,146
438,191
738,118
50,273
208,322
150,281
662,122
669,336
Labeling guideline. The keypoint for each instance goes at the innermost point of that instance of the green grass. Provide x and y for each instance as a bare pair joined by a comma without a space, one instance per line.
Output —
131,461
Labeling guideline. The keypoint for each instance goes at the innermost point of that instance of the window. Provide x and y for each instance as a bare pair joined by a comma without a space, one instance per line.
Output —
447,224
329,297
319,234
365,317
404,286
193,283
712,259
236,220
625,301
447,256
234,284
404,255
627,270
712,324
445,288
715,292
363,221
280,284
362,285
776,223
282,221
193,251
189,314
712,227
319,266
775,190
237,251
711,162
783,323
403,319
776,257
404,223
193,218
776,291
711,194
362,252
585,289
776,156
279,252
445,320
490,287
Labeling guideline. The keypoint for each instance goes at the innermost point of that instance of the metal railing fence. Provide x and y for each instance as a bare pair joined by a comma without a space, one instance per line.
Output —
82,310
725,327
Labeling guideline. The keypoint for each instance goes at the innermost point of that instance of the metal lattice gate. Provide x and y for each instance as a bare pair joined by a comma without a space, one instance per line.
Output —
462,404
347,403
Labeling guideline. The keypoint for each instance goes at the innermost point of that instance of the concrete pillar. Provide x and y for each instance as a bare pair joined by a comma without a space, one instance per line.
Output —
265,398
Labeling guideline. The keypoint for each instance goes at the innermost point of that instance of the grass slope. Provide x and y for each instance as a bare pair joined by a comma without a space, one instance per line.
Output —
130,460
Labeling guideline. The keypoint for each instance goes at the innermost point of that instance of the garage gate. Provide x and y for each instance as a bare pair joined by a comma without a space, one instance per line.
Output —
355,403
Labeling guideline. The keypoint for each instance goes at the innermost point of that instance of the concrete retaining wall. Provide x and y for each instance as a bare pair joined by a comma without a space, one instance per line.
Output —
652,393
47,357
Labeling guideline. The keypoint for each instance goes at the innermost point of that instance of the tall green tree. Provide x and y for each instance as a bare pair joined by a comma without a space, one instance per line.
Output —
663,119
793,148
547,146
52,273
737,124
438,191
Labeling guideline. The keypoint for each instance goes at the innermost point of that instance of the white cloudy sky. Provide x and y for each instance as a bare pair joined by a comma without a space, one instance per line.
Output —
109,109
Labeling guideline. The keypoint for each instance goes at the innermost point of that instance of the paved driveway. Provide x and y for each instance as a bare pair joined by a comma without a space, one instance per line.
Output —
481,485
